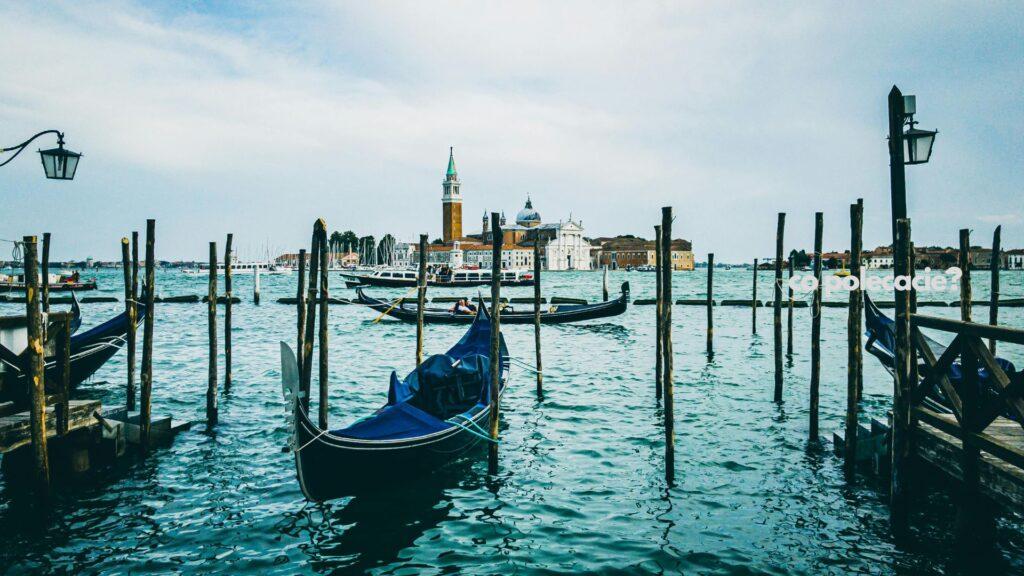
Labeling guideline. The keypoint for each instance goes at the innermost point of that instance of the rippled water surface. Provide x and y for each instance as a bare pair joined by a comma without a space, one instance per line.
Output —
581,482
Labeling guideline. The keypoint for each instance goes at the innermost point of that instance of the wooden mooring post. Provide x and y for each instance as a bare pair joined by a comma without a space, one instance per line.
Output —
46,274
306,376
780,230
145,404
36,368
660,312
860,318
211,321
421,297
129,308
854,357
256,286
604,285
133,326
227,313
993,308
666,342
300,299
495,367
812,429
323,348
753,302
711,305
789,310
971,507
64,396
903,384
536,310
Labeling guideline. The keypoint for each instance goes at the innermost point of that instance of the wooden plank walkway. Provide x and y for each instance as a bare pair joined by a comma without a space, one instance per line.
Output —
1001,467
16,430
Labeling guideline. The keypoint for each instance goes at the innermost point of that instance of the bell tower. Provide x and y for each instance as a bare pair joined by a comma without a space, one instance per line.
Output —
451,203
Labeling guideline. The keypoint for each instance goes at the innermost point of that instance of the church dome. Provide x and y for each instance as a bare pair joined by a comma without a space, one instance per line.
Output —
528,216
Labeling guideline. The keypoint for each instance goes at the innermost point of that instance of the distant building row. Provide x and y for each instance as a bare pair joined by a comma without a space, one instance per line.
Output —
934,257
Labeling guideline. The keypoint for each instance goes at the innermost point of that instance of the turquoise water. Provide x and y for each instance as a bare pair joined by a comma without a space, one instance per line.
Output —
581,482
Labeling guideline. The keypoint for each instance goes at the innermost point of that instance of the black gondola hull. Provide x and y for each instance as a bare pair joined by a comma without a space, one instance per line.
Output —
562,315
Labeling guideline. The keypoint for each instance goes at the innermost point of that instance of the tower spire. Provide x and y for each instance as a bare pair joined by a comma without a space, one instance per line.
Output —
451,162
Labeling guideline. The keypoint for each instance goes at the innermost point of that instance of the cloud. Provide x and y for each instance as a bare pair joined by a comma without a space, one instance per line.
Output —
1014,218
258,118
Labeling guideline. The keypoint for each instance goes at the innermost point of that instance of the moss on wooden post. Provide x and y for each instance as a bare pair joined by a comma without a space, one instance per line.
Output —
36,368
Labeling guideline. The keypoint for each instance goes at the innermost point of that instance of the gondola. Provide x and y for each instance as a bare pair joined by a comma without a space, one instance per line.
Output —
421,426
555,314
89,351
881,333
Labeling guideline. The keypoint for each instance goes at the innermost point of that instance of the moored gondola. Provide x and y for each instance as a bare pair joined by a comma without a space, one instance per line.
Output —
881,333
554,314
437,412
90,350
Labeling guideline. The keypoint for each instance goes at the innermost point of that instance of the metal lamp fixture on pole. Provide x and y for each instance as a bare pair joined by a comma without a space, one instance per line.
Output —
58,163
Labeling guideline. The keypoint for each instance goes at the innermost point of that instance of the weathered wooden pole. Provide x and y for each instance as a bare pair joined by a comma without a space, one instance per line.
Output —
753,302
816,330
536,310
300,299
311,301
604,284
36,368
711,305
780,230
256,286
421,297
324,371
660,312
903,384
970,510
666,343
211,320
145,404
993,309
860,298
64,405
133,326
227,313
129,308
964,261
789,311
853,349
46,274
495,367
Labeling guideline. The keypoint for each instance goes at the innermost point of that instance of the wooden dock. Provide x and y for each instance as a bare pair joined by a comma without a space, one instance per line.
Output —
1000,467
16,429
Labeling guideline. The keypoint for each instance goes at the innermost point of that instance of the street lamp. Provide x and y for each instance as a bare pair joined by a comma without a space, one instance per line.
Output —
911,147
58,163
917,144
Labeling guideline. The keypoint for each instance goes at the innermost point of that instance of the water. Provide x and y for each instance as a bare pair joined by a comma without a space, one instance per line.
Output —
581,484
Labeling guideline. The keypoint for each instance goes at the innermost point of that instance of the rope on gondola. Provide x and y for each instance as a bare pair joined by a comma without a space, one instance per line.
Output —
479,432
524,365
395,303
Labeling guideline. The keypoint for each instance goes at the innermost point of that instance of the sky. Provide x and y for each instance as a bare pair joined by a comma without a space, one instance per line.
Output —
257,118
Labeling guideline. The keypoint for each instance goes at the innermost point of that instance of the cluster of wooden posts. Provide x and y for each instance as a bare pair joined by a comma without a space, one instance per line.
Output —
37,304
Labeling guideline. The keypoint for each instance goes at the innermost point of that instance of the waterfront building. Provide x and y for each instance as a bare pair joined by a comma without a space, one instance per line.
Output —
633,252
1014,259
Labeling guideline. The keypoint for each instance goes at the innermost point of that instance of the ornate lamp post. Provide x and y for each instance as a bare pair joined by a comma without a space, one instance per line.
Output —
911,147
58,163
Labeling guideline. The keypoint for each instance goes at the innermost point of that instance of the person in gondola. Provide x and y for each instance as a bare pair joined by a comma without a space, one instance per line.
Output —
463,306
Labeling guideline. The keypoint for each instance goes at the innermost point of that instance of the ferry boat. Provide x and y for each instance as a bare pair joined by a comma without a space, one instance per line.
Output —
239,268
63,282
460,278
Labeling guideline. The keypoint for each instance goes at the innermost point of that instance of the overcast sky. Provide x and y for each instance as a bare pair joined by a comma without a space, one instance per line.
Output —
256,120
